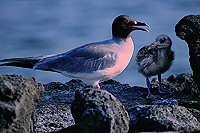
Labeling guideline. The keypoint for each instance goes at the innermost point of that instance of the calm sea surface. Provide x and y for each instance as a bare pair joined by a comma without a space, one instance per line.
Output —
33,28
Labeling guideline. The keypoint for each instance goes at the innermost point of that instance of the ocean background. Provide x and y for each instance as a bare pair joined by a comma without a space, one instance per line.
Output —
42,27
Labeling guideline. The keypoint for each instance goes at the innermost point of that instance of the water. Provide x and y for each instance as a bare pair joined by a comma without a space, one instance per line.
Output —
33,28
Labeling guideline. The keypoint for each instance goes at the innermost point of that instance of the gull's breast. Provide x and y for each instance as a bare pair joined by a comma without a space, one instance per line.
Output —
123,54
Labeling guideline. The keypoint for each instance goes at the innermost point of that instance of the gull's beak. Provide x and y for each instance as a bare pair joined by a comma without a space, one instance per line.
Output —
134,25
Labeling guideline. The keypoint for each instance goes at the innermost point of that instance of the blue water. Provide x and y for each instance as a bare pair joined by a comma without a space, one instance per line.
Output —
33,28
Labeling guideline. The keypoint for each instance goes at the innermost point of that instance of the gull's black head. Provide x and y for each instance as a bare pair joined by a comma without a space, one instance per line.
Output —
123,25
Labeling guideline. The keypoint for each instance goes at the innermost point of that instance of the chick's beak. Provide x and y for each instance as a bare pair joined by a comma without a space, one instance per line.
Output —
158,45
153,45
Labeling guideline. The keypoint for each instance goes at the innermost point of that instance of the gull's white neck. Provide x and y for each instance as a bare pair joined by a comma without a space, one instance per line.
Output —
124,52
122,41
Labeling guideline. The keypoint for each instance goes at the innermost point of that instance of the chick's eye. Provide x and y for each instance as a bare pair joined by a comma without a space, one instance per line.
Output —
162,40
124,22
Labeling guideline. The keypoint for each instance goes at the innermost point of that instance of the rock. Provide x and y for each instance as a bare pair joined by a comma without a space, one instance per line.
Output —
163,118
183,88
188,29
179,84
184,95
58,93
99,111
195,113
53,118
18,97
53,111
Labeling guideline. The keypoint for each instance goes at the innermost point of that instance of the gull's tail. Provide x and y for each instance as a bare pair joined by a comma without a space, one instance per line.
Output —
27,62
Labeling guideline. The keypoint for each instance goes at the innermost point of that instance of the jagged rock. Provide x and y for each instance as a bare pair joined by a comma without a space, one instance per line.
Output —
53,111
53,118
183,94
18,97
195,112
99,111
163,118
188,29
58,93
179,84
183,88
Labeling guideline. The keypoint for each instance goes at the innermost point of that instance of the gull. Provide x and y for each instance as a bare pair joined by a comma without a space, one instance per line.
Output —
93,62
155,59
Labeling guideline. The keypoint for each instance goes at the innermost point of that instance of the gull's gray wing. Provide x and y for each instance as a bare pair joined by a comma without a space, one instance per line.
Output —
85,59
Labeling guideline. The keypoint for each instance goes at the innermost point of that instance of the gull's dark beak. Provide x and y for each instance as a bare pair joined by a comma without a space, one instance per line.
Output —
135,23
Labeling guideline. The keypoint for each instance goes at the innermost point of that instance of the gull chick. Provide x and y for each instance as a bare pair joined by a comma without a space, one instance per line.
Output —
155,59
92,62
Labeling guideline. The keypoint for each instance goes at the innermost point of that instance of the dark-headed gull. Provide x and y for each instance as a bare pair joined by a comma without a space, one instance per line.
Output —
92,62
155,59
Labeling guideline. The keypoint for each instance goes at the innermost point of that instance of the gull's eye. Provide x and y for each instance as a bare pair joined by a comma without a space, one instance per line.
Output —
135,22
124,22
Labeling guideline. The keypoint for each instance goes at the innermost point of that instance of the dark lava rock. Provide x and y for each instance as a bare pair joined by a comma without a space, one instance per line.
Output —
18,97
59,93
188,29
179,84
53,118
184,96
163,118
54,106
183,89
99,111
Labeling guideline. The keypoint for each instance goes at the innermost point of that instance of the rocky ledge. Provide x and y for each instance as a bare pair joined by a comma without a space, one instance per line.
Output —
176,111
116,108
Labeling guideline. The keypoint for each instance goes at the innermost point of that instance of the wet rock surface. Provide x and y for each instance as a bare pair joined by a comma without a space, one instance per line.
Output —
176,111
18,97
188,29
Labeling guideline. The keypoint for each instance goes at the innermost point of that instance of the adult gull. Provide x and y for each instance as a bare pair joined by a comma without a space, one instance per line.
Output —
92,62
